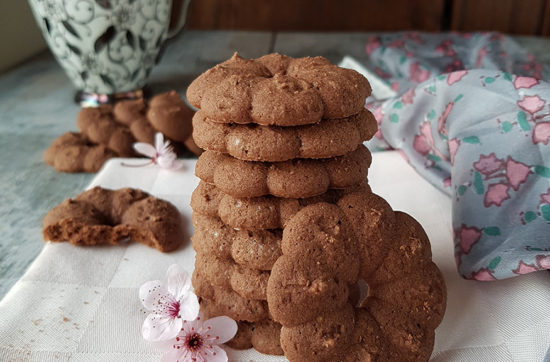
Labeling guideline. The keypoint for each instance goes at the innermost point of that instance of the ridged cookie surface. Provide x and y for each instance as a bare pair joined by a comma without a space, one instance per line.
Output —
257,213
298,178
278,90
328,138
321,246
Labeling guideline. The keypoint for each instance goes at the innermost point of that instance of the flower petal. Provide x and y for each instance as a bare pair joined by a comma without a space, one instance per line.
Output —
222,329
157,327
150,293
189,307
159,142
145,149
174,355
166,160
177,164
214,354
194,325
178,282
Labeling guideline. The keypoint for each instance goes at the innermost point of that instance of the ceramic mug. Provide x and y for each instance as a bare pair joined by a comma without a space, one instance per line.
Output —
106,46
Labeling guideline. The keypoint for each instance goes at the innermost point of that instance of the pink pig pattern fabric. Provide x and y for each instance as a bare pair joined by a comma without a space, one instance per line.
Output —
473,118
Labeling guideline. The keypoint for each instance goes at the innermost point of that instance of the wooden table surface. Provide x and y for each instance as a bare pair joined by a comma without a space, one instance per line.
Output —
36,106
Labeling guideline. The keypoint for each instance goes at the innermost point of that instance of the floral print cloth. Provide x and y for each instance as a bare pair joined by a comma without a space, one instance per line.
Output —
480,135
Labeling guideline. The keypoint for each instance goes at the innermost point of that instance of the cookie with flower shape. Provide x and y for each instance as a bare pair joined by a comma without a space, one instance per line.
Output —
326,249
296,178
278,90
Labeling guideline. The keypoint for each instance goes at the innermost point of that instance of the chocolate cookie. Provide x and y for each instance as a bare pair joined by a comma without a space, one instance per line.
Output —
258,213
374,221
408,339
243,338
72,152
278,90
99,126
216,271
249,283
406,299
368,342
298,292
328,138
192,146
131,113
257,249
297,178
101,216
252,249
224,273
266,337
227,302
323,338
169,114
212,237
320,234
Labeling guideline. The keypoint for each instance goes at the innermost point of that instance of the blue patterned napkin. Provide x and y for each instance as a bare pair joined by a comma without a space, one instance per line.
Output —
472,116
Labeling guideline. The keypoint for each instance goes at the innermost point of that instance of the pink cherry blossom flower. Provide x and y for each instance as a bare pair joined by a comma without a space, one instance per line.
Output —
480,56
524,268
421,145
408,96
489,164
169,305
199,341
455,77
531,104
525,82
516,173
453,148
442,121
414,36
373,44
426,131
378,113
543,261
417,74
541,133
545,198
483,274
398,43
496,194
162,154
468,236
395,86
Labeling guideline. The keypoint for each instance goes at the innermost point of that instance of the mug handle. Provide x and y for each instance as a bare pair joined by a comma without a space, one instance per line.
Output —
181,18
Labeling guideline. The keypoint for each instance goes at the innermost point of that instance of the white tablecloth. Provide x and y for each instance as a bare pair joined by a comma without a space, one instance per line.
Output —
81,304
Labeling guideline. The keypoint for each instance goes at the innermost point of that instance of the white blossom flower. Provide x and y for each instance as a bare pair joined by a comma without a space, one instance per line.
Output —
199,340
169,305
162,154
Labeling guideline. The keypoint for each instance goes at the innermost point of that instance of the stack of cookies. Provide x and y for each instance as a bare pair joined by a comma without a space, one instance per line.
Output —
110,131
279,134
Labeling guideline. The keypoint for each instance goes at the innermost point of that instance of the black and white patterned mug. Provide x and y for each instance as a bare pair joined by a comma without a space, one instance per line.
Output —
106,46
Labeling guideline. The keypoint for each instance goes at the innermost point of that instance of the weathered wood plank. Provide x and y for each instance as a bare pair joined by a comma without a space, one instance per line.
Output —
330,45
317,15
507,16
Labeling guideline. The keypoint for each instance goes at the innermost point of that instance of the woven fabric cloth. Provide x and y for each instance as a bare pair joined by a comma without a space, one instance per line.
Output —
81,304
